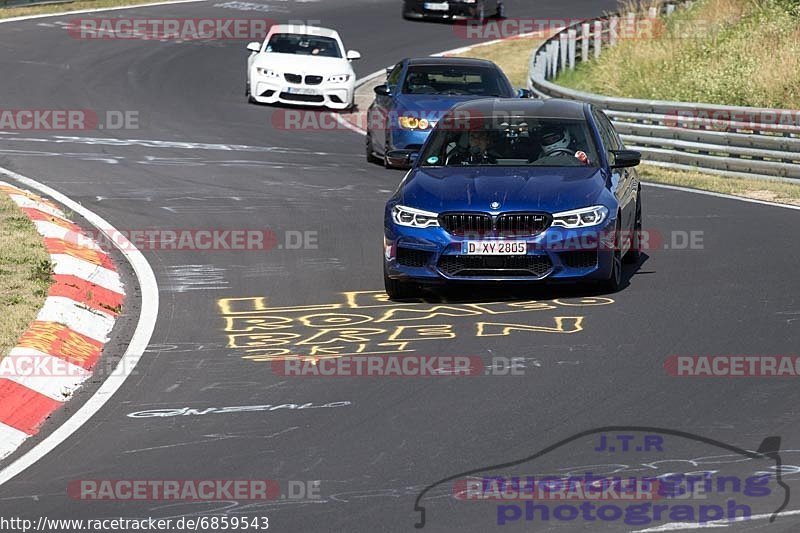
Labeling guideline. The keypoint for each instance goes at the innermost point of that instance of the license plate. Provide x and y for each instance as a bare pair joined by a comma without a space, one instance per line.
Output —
300,90
494,248
436,6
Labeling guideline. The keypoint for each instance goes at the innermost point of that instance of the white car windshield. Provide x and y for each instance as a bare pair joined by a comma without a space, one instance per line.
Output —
306,45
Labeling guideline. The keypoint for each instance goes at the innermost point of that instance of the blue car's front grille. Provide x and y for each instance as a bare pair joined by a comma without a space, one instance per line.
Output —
523,224
579,259
470,266
484,224
466,223
413,258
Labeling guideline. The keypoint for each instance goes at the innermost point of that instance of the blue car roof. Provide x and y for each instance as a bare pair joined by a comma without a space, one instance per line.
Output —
549,108
451,61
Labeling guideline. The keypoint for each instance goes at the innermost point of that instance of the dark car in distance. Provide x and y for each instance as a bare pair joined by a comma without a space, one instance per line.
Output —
452,9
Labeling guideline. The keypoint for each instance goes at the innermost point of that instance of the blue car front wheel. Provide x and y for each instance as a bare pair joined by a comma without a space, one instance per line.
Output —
398,289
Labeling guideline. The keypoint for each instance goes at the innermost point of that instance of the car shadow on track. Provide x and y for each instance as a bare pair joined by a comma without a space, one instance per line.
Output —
477,293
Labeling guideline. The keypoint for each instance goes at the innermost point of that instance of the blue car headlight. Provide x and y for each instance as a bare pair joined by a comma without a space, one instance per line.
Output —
413,123
581,218
415,218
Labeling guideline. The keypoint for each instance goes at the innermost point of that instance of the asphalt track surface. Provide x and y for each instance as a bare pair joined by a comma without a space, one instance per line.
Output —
601,365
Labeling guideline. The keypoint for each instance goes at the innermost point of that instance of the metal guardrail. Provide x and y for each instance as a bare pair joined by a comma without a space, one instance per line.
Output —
726,140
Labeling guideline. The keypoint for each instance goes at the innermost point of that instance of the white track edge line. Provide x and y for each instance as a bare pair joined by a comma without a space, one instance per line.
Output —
95,10
721,195
136,348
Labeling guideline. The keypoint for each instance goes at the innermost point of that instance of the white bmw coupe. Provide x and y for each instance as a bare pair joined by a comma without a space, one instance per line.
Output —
303,65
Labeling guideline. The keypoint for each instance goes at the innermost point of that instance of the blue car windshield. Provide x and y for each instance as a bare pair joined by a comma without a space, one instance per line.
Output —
305,45
510,141
454,81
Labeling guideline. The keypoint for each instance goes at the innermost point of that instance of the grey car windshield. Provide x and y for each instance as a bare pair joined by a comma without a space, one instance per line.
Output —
306,45
510,141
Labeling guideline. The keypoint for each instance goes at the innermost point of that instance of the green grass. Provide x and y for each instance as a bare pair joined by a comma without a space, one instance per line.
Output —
25,273
512,56
729,52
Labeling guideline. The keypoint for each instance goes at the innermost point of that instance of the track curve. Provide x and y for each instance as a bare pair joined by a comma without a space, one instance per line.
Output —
590,365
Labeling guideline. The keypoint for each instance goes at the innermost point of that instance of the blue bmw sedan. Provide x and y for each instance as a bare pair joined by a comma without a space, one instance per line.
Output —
514,191
419,91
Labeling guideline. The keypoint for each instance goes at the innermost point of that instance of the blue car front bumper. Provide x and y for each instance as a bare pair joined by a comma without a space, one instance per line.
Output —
402,139
432,255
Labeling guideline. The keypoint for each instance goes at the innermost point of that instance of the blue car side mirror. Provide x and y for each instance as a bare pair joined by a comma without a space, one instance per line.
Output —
402,158
383,90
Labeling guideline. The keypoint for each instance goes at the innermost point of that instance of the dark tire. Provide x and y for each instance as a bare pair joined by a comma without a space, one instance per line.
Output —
399,290
371,157
635,253
250,99
614,282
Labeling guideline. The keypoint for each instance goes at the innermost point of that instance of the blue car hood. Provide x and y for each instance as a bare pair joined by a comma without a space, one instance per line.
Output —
550,189
430,106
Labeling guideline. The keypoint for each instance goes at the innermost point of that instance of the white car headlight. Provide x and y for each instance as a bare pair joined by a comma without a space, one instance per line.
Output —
339,78
269,73
581,218
416,218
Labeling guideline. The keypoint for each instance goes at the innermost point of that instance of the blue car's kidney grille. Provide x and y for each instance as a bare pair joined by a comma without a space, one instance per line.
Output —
505,225
466,223
523,224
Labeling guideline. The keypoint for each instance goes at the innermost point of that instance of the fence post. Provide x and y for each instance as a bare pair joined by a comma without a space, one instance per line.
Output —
613,30
630,25
573,42
585,31
670,9
554,60
598,37
562,47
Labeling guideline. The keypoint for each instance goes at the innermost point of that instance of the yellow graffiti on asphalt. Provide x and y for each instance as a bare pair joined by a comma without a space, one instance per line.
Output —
367,322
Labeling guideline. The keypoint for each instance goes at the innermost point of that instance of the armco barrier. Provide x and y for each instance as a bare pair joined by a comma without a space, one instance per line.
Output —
727,140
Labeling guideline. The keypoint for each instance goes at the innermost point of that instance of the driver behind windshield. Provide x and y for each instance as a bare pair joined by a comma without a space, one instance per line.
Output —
557,144
478,150
514,141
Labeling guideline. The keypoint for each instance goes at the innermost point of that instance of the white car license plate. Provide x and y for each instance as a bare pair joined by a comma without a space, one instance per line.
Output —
300,90
436,6
494,248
